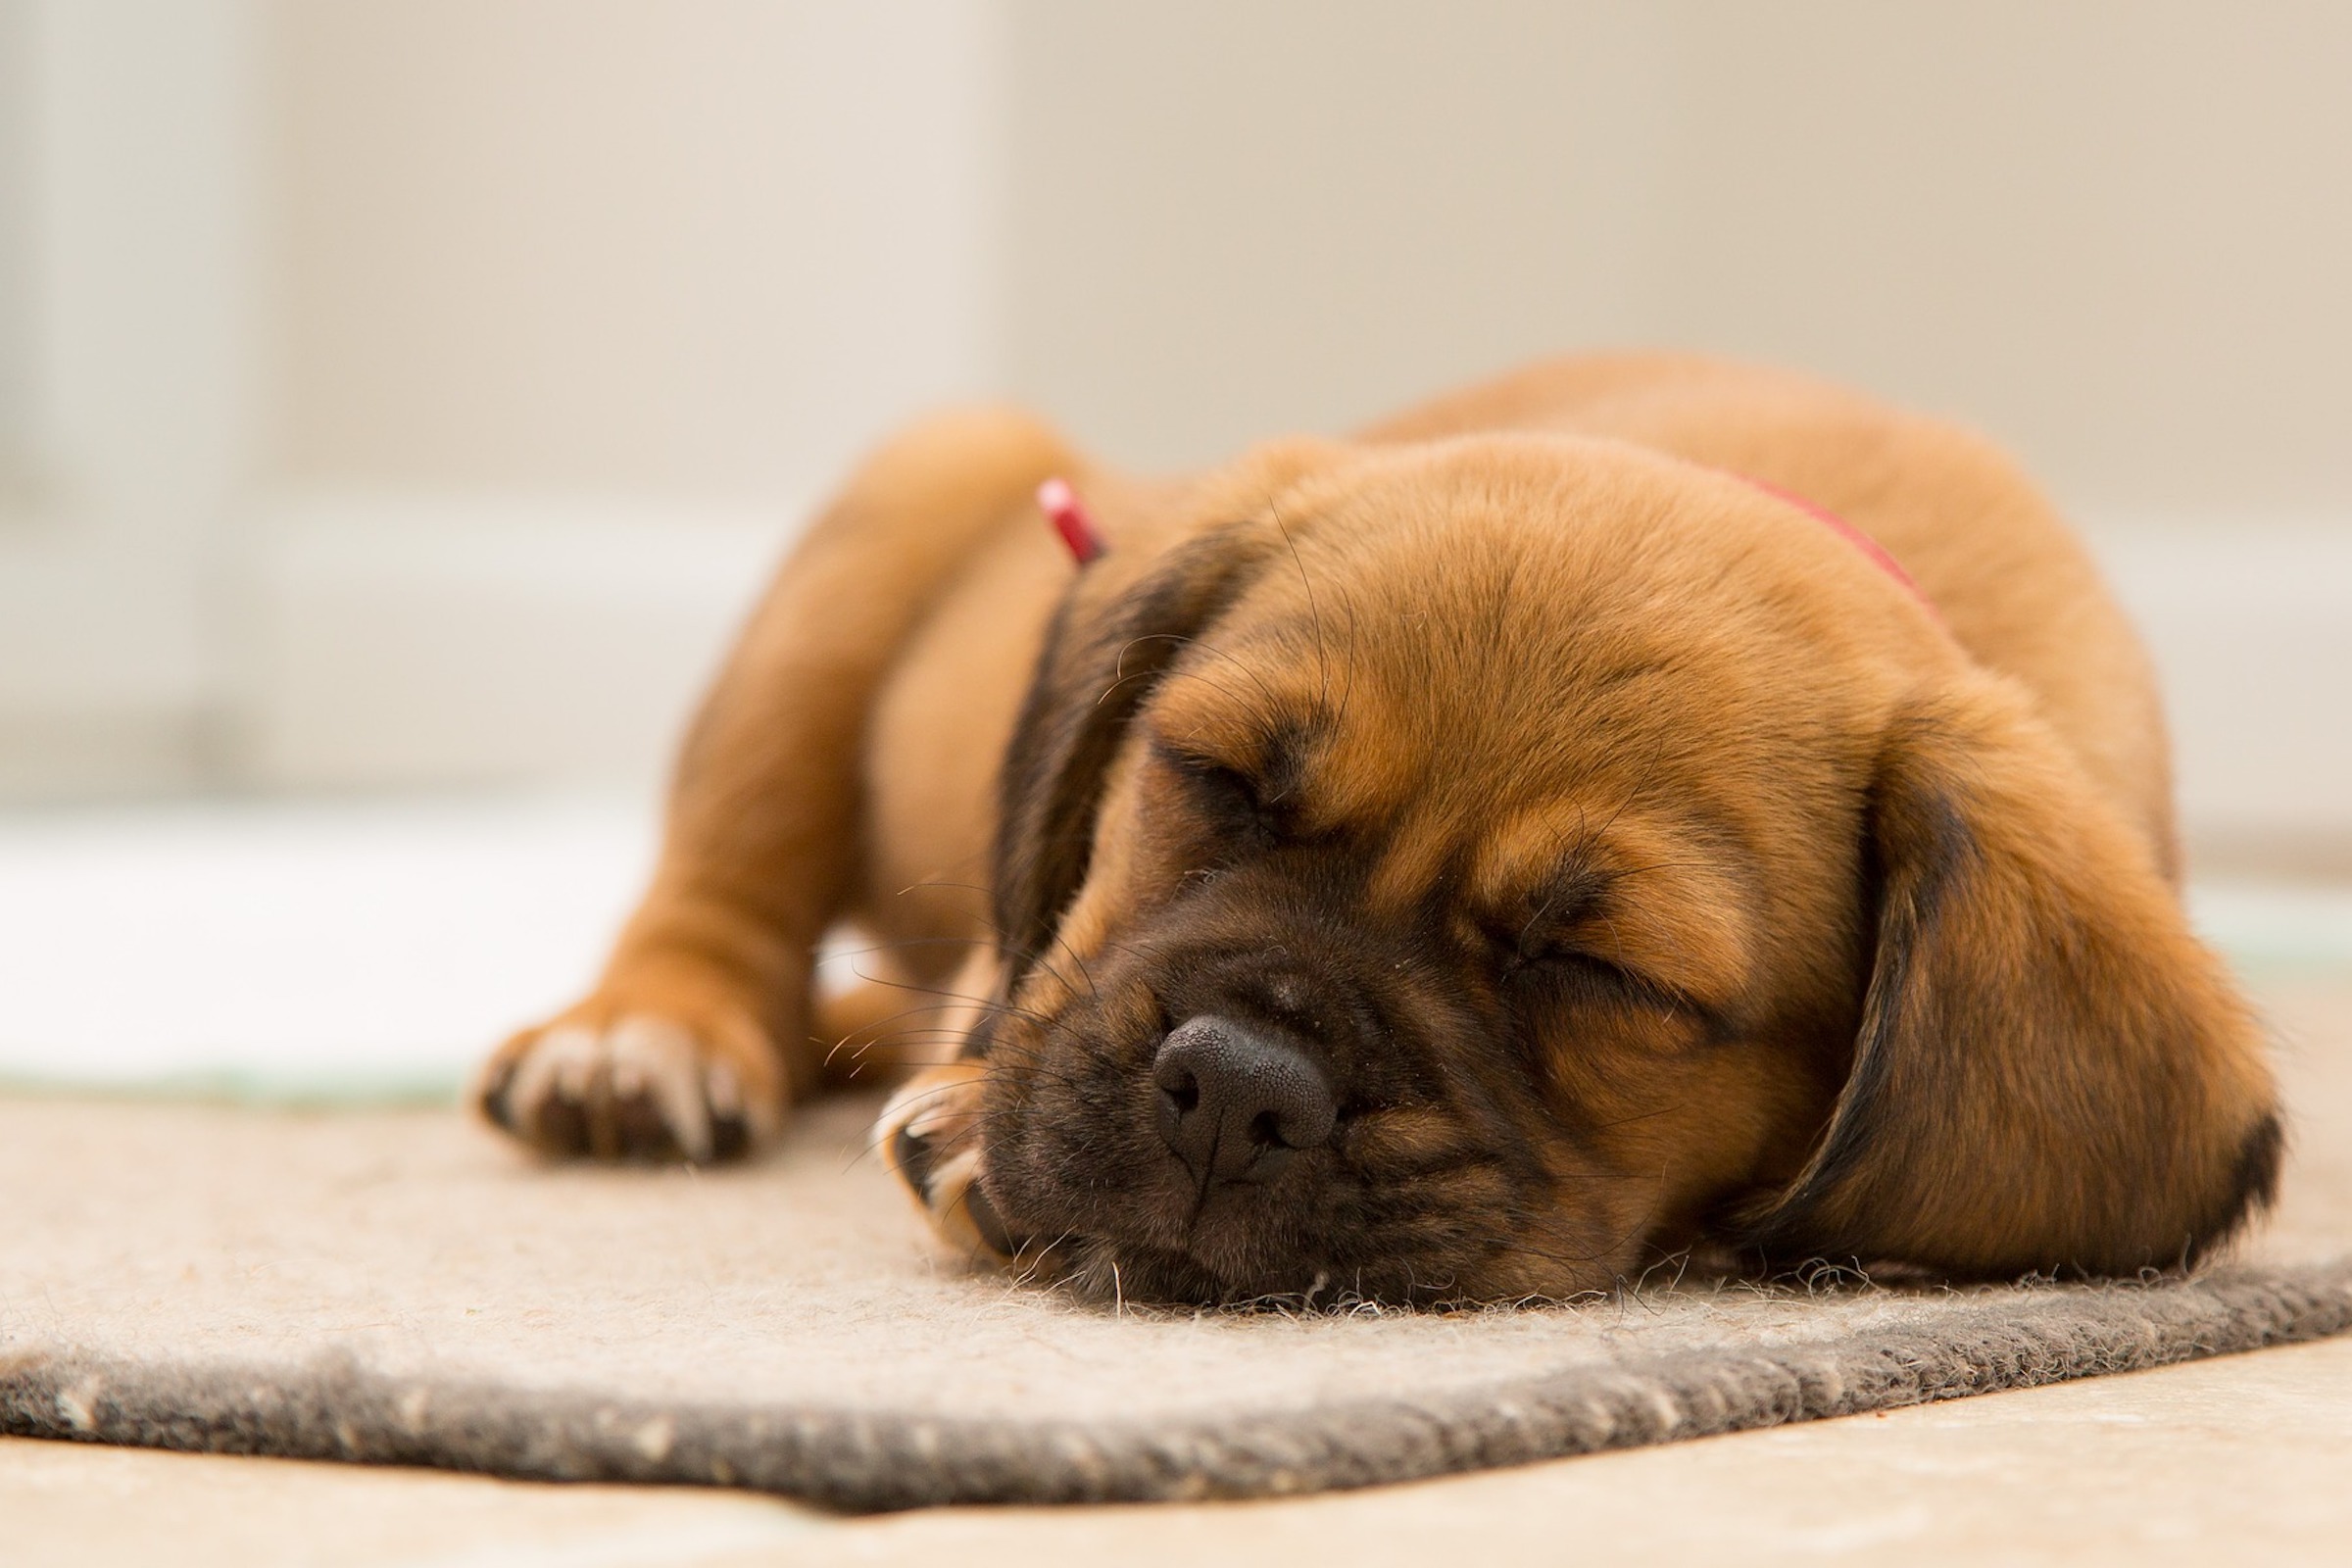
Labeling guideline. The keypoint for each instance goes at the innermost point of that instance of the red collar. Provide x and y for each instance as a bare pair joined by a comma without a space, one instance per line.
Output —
1871,549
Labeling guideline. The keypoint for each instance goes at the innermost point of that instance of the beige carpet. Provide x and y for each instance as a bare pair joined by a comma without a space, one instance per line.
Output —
399,1285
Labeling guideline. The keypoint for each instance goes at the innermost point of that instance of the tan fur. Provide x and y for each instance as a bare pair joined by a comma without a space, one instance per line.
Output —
2008,750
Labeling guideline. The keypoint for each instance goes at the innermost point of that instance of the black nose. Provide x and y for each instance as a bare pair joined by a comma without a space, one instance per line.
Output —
1234,1102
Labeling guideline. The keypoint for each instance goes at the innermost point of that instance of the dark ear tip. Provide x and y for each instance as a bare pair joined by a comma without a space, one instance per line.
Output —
2252,1188
2253,1179
1778,1235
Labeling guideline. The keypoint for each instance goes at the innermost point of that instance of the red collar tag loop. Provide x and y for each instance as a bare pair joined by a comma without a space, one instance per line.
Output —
1070,519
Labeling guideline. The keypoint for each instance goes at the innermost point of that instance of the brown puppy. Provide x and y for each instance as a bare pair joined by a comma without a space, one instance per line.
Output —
1469,861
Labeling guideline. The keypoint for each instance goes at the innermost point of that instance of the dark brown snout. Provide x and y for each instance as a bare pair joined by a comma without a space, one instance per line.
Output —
1237,1100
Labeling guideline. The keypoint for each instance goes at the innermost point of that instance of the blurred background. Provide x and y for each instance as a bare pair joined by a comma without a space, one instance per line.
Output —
400,400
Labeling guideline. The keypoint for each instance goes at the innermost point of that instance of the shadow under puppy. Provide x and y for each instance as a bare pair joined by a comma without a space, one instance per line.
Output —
1638,803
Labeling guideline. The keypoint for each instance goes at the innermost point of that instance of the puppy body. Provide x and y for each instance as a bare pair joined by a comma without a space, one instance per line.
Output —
1627,857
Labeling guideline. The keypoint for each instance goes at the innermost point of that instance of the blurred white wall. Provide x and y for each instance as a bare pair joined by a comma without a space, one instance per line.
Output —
131,323
16,240
415,385
702,249
579,307
2115,232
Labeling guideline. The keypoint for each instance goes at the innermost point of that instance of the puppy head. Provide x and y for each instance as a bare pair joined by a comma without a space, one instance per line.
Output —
1493,866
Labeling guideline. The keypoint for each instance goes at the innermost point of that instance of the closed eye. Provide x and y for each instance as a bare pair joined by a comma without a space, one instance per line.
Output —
1208,776
1227,796
1535,955
1548,956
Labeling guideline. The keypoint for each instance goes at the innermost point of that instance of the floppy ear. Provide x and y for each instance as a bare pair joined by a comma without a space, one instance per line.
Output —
1106,649
2051,1072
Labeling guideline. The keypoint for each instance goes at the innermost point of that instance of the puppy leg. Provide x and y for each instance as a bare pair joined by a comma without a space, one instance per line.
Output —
696,1037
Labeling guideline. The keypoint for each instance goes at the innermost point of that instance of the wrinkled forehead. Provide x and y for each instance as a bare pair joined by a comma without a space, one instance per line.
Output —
1463,657
1395,664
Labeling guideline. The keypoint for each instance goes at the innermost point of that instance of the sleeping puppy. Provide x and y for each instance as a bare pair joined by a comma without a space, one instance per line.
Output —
1636,803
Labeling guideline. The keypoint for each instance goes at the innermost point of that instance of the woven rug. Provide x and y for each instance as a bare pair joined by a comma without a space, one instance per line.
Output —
396,1285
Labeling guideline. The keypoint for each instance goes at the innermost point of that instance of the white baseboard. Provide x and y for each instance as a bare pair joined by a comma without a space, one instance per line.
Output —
2251,629
107,666
434,642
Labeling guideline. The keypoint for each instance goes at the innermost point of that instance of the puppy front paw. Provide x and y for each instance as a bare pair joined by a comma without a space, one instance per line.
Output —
619,1083
929,1134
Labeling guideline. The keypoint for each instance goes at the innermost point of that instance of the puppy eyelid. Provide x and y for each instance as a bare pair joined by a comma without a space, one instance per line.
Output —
1592,965
1211,771
1527,947
1239,789
1524,949
1623,985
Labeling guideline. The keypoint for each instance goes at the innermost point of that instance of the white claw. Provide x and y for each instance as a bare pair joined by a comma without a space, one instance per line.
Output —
656,1051
639,1054
553,1060
576,1056
724,1090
